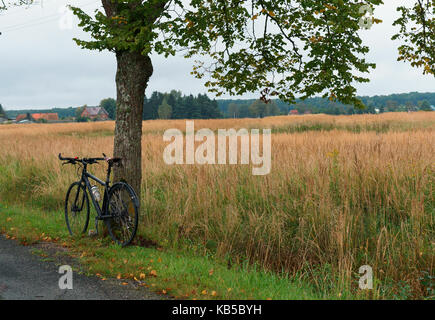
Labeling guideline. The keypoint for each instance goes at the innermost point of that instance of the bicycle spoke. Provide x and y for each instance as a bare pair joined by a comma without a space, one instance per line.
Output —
124,215
77,210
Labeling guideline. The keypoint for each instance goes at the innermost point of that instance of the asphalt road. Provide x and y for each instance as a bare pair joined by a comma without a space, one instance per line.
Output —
25,276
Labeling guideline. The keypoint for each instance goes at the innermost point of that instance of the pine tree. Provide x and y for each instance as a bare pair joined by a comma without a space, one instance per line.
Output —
2,112
165,110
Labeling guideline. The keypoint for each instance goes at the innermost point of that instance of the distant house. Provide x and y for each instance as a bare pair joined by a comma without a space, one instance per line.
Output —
95,113
21,117
38,117
45,116
293,112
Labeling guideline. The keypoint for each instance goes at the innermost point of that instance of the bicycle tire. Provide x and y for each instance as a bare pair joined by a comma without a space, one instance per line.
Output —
74,215
123,207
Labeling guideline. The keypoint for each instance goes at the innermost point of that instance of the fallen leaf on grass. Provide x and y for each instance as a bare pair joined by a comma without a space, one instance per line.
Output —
153,273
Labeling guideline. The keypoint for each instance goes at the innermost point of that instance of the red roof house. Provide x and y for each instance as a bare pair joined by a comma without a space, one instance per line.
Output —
95,113
21,117
49,117
45,116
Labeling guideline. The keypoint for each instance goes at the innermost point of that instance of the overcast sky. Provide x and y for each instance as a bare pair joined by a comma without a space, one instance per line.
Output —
41,67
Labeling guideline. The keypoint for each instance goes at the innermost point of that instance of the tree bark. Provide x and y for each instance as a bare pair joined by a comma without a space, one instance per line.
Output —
133,72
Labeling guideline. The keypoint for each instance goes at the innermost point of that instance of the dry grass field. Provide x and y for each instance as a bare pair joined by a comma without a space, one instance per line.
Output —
343,192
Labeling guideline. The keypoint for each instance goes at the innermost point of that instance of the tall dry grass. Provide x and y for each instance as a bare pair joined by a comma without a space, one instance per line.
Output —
343,192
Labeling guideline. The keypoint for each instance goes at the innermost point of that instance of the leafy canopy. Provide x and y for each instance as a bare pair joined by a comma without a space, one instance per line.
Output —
285,48
417,31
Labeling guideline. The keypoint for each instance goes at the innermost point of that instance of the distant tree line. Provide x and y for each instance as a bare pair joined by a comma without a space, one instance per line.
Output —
392,103
175,105
171,105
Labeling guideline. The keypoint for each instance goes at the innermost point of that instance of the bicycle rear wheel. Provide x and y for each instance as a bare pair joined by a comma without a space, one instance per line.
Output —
77,209
123,207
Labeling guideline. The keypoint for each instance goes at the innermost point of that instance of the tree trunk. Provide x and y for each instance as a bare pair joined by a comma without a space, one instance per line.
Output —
133,73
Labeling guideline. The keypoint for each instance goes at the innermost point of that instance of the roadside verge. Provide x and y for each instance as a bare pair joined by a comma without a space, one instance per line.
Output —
169,272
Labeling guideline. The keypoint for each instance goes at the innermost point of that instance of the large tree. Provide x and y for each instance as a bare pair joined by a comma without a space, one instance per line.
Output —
286,49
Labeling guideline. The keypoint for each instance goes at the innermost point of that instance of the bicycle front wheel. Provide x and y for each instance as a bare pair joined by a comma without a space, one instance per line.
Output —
123,207
77,209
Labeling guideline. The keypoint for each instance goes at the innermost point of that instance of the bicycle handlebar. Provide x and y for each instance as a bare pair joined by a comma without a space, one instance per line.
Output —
84,160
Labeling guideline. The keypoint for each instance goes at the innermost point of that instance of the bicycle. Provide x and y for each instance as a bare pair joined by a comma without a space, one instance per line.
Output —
119,210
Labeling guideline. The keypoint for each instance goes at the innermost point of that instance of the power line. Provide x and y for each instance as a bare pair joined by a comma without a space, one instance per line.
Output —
49,17
39,21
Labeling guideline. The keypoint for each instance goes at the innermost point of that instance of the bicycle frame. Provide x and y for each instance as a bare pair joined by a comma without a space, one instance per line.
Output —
85,180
